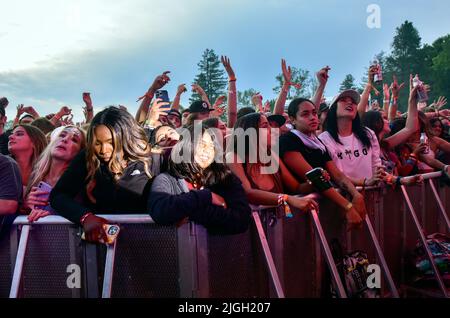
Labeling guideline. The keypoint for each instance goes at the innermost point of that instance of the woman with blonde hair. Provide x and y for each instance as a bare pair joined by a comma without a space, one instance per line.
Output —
48,169
112,174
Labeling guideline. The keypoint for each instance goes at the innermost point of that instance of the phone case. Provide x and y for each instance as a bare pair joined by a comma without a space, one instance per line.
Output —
315,176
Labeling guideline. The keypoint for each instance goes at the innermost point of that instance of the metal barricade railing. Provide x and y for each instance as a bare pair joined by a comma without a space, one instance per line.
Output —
420,230
275,278
194,240
53,219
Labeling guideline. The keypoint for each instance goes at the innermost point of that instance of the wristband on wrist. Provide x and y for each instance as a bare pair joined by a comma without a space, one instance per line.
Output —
282,201
398,181
233,79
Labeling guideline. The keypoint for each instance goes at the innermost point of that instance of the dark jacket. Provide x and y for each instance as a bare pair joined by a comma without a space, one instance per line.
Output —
127,195
170,201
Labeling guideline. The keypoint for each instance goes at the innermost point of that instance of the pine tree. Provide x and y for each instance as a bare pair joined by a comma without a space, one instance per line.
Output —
245,97
211,77
405,58
348,83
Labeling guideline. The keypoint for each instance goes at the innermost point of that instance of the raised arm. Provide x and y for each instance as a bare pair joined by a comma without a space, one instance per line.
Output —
395,88
201,92
158,83
232,92
89,109
19,113
64,111
281,100
386,96
366,93
322,78
412,123
257,102
176,101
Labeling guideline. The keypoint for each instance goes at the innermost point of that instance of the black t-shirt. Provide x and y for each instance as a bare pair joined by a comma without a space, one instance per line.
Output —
4,139
315,157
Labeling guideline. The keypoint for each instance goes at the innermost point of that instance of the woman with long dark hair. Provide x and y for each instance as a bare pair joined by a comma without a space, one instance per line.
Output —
353,147
302,151
112,174
199,188
266,181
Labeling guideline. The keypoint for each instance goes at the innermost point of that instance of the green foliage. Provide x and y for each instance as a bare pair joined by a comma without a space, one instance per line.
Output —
245,97
211,77
298,76
347,83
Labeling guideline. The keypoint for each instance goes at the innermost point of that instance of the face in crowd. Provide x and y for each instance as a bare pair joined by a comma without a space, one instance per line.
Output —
306,119
204,152
67,144
19,141
346,108
174,120
104,143
436,128
166,137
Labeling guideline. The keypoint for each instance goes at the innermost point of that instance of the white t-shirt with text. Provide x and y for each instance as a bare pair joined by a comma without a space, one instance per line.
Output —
352,157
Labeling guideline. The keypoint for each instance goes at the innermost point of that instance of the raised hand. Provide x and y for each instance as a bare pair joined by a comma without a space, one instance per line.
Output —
161,80
87,99
287,72
226,64
386,93
322,75
30,110
156,111
395,87
267,106
20,110
64,111
219,101
441,102
181,89
257,101
158,83
198,89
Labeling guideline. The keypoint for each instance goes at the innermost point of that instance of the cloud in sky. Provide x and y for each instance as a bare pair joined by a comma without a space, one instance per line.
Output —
52,51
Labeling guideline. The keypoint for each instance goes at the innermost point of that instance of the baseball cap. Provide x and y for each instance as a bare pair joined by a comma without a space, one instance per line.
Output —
279,119
347,93
199,106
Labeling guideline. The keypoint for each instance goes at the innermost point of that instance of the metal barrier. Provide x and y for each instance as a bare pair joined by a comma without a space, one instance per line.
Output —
197,273
283,260
420,229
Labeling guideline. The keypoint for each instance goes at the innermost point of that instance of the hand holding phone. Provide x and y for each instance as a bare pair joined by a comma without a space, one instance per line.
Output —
164,96
317,178
43,194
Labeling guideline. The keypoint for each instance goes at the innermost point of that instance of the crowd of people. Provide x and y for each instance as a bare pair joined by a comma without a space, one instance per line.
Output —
208,162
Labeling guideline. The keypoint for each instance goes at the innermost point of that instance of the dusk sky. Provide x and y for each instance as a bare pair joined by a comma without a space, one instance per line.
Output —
53,50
